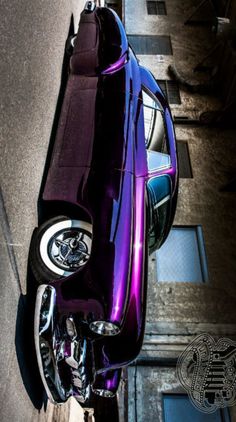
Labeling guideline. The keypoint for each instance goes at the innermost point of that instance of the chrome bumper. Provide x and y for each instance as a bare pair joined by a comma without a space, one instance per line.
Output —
66,362
44,337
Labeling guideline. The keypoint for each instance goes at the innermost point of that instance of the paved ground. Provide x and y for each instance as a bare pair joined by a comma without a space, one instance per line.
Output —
32,43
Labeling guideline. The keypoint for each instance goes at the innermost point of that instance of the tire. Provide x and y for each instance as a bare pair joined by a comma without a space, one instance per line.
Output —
59,247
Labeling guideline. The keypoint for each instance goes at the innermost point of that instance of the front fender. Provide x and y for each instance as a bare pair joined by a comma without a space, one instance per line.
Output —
111,353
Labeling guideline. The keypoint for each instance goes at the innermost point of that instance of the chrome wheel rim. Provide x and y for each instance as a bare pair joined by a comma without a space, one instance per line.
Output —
68,249
65,246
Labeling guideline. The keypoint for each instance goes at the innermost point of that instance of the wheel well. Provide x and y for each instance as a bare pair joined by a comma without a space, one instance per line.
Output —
50,209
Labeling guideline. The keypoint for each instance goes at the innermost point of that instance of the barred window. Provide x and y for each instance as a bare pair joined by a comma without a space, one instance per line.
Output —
185,168
151,44
156,7
171,90
182,257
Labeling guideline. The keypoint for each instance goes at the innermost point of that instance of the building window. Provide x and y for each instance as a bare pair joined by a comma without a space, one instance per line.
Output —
182,258
178,407
151,44
171,90
156,7
185,169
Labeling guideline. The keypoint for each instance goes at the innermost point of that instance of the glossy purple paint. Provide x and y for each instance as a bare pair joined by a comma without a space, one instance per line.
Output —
116,66
99,166
108,381
118,187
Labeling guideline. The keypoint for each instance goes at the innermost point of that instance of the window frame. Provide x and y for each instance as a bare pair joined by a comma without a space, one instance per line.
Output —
155,5
224,412
166,90
180,141
162,44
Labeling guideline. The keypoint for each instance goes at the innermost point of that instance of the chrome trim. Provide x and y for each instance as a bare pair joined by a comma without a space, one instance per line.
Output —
104,328
44,336
103,393
40,294
80,376
84,397
163,201
52,348
71,328
90,6
71,360
73,41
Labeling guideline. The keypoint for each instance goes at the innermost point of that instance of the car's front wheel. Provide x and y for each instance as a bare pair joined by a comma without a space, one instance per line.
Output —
60,247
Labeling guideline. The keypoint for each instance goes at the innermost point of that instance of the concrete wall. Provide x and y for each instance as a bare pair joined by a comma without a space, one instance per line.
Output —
177,312
213,160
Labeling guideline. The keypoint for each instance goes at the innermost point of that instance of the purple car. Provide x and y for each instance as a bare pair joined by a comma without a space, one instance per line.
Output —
108,201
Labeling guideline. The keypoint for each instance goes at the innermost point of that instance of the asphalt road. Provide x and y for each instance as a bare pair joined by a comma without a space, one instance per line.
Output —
33,36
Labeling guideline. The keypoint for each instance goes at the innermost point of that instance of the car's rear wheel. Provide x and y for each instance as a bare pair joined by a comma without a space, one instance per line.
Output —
60,247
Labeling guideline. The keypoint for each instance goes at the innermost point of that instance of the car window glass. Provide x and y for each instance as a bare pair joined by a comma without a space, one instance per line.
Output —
150,101
154,126
158,189
157,160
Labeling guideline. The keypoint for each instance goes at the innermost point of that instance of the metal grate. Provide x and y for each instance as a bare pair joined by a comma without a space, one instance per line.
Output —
182,258
185,169
151,44
156,7
171,90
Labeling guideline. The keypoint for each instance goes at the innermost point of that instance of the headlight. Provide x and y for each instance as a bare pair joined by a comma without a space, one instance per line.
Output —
104,328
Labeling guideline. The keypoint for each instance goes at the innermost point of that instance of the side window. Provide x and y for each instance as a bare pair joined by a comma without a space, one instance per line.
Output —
157,161
154,126
158,189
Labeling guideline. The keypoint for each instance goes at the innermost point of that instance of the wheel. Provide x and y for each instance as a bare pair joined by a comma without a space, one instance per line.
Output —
59,247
